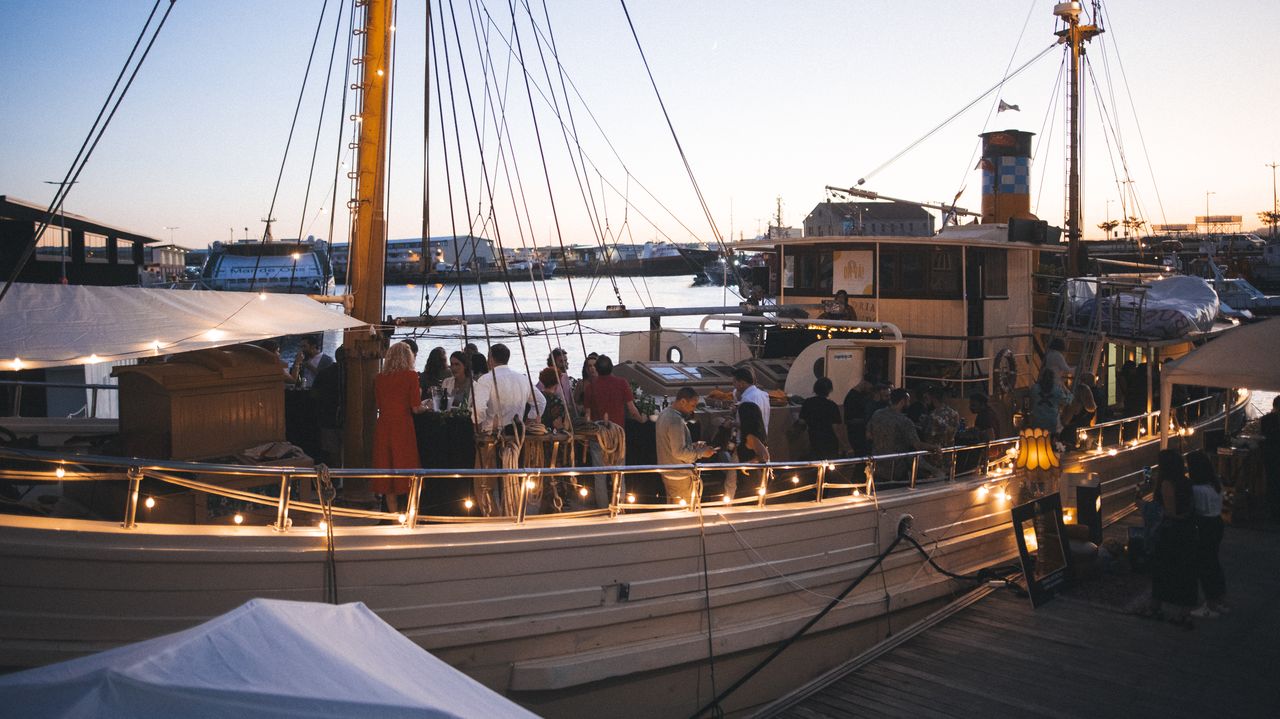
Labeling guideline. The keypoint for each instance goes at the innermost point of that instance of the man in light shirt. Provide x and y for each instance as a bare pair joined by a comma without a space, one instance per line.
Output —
744,387
503,396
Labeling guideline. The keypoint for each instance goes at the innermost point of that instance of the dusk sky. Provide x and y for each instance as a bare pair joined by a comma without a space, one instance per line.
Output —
768,99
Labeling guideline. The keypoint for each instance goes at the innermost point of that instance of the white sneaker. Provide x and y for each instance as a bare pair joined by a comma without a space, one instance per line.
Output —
1204,612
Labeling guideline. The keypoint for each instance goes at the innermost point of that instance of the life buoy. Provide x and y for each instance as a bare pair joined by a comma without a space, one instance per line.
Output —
1004,372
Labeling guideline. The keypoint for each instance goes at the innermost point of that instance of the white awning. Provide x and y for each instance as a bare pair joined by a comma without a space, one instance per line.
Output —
1243,357
56,325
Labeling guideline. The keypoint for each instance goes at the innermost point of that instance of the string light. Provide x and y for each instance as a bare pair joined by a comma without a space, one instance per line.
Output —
529,484
582,492
857,492
1111,452
728,499
262,296
761,491
150,503
92,359
402,518
155,345
238,519
468,503
795,479
631,498
17,363
323,525
214,335
982,491
683,503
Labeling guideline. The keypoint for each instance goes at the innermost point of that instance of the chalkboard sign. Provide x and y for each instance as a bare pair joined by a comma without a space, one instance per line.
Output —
1042,546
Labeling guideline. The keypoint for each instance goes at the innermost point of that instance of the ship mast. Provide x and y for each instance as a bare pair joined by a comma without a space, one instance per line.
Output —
367,262
1075,36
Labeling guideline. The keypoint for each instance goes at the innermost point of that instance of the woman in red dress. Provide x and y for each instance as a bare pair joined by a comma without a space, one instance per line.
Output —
395,445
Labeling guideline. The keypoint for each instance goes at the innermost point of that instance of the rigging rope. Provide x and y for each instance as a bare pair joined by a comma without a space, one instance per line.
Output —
958,113
293,125
325,493
91,140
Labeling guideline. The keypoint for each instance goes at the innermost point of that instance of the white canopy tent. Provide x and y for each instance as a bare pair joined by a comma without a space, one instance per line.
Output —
59,325
267,658
1243,357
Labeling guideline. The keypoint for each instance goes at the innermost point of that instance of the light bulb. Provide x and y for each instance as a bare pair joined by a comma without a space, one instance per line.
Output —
17,363
760,491
582,491
262,296
60,472
323,525
1111,452
982,491
150,503
238,519
468,504
728,499
402,518
631,498
684,503
528,484
795,480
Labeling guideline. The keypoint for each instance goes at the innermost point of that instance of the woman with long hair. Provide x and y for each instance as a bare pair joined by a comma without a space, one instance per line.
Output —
437,369
457,386
589,375
751,445
395,445
1206,498
1173,578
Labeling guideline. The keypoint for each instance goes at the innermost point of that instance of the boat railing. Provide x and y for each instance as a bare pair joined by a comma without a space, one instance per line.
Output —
854,479
90,410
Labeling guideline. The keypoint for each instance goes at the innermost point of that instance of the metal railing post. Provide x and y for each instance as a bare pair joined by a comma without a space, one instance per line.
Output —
282,508
951,474
819,484
523,498
93,403
131,500
915,467
415,496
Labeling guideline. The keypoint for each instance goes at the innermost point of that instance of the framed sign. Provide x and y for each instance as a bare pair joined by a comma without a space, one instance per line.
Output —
855,272
1042,547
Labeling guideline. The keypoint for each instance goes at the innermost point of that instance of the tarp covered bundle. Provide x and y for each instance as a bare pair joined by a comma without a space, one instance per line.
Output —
268,658
57,325
1169,308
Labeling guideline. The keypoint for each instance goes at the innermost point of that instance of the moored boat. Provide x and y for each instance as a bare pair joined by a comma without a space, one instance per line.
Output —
577,613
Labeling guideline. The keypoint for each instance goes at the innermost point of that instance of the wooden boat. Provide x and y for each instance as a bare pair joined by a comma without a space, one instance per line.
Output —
628,611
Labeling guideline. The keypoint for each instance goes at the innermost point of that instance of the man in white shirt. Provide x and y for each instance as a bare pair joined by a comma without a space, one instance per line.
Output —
502,395
744,386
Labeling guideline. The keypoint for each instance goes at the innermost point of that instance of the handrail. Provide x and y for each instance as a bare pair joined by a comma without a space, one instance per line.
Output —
19,384
70,468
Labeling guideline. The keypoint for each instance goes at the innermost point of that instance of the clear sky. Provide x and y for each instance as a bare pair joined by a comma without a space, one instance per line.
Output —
768,99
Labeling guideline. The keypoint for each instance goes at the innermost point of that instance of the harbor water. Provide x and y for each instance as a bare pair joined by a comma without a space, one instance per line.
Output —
534,338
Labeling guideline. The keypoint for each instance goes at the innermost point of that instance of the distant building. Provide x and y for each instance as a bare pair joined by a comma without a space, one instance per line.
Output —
167,262
844,219
73,249
405,256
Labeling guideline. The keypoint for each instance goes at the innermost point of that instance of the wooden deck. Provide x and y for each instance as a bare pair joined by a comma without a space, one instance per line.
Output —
1079,655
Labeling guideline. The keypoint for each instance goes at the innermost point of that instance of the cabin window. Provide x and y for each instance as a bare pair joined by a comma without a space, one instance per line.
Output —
995,273
54,244
95,247
919,272
808,272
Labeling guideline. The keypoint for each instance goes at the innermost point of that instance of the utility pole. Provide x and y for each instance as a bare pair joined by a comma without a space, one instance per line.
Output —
64,248
1206,210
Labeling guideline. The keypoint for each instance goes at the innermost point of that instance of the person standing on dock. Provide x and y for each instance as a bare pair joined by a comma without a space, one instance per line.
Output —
1206,497
676,445
1270,426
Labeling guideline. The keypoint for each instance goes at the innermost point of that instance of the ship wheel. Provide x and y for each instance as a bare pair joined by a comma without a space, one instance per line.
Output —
1004,372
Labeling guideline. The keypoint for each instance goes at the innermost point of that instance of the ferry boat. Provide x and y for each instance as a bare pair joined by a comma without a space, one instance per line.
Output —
293,266
636,609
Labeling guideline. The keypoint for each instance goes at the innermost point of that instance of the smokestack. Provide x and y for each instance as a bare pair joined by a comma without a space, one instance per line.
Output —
1006,176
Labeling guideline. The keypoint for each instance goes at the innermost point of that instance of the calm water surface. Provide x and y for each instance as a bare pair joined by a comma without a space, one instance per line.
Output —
537,338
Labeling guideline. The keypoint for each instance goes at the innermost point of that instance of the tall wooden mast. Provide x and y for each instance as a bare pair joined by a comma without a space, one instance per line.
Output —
368,240
1075,36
